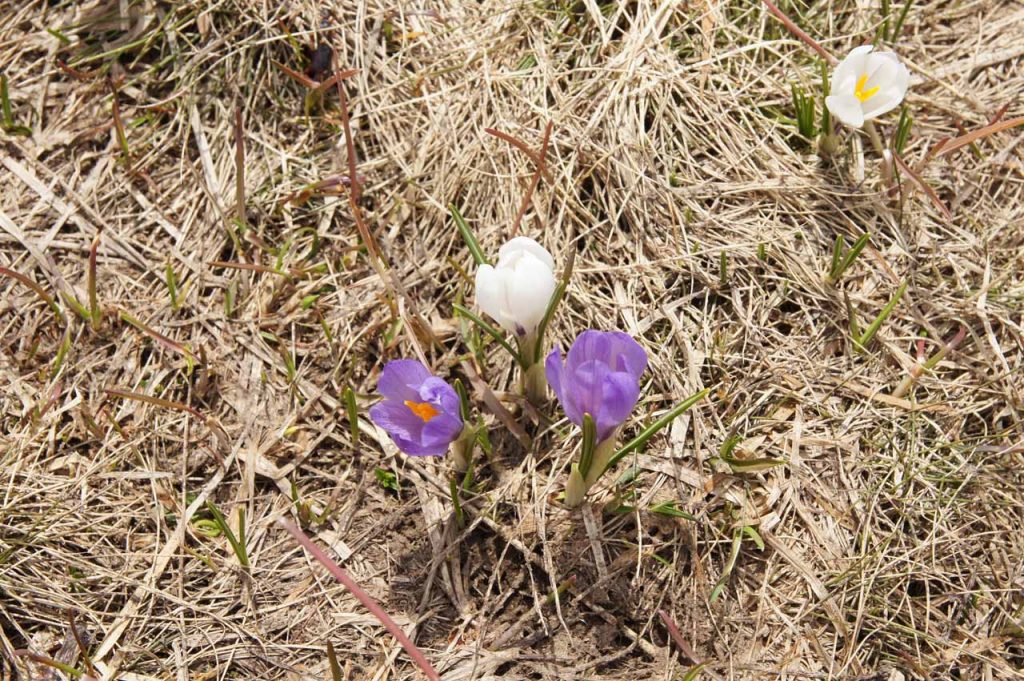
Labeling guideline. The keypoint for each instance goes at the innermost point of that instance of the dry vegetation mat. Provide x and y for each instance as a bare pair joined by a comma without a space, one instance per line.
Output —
202,277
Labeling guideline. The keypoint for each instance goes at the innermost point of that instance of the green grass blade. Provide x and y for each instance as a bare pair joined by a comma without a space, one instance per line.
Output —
852,315
38,290
5,103
353,414
649,432
851,255
870,332
488,329
467,235
694,672
898,27
222,524
837,255
332,660
556,298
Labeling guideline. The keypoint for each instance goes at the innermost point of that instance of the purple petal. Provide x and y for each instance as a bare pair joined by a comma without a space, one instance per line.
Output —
439,433
437,392
401,379
627,355
589,345
414,448
600,377
586,388
398,420
619,396
563,385
554,371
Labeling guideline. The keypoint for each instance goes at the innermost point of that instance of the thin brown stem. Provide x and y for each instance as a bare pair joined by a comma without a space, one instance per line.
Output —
799,33
375,609
541,157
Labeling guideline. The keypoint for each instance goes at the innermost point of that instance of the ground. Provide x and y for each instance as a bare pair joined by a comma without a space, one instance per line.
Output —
234,312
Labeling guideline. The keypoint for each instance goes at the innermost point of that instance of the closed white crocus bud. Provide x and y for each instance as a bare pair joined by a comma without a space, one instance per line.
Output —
866,85
517,290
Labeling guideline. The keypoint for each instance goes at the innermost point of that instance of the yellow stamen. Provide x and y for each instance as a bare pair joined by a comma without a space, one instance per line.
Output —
859,90
424,410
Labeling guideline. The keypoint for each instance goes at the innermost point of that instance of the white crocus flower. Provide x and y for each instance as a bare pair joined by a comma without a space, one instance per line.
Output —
516,291
867,84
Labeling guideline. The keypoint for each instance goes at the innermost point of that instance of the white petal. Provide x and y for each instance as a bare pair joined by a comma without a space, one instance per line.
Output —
488,291
530,292
521,245
844,78
885,100
902,80
846,108
881,72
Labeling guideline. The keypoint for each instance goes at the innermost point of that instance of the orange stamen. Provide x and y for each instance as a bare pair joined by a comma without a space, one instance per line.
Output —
424,410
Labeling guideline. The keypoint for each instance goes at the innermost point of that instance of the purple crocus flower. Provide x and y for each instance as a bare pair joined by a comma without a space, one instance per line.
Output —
420,411
600,376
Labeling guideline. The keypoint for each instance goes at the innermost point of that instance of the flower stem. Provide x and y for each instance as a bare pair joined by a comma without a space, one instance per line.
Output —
876,139
534,384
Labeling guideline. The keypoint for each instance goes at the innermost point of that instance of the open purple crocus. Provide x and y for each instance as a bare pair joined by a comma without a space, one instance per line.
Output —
420,411
600,376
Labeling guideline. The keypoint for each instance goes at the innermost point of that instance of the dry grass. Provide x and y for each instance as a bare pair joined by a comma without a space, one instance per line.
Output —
892,534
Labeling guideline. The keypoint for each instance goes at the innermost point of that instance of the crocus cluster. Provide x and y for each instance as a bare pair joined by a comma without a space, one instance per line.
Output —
597,382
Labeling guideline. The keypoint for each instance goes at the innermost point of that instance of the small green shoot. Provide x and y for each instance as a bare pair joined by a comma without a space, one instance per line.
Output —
694,672
238,543
869,333
230,294
751,532
460,518
826,116
352,410
460,390
556,298
725,454
122,137
62,353
751,465
7,123
386,479
897,28
730,563
482,438
840,262
723,268
851,314
291,370
883,29
50,662
172,285
902,133
804,106
672,510
467,235
38,290
95,314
